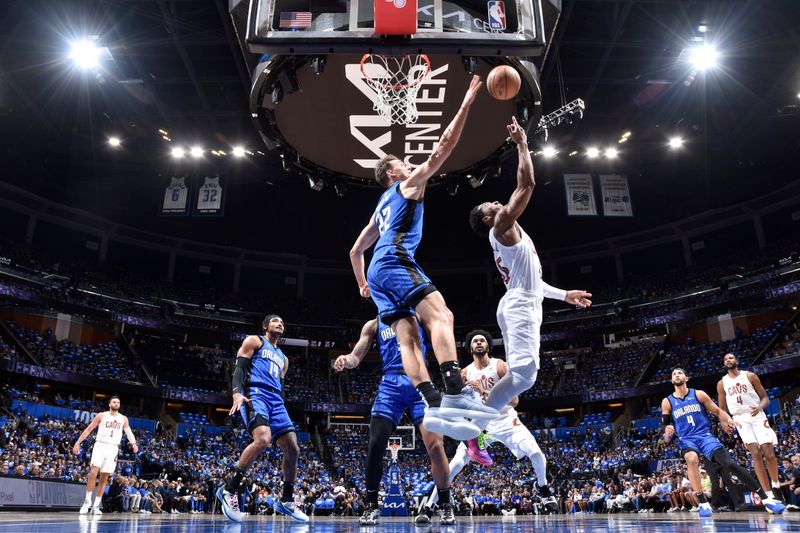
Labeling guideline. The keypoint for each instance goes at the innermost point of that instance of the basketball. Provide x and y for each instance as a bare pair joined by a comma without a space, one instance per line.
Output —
503,82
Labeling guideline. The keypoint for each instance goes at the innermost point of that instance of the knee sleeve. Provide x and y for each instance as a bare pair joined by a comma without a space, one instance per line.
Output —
379,431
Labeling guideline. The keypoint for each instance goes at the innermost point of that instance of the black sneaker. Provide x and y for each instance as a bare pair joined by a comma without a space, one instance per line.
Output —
446,515
370,516
424,516
548,500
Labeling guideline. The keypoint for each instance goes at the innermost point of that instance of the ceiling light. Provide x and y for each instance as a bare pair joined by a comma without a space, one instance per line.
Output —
702,28
626,135
238,151
549,151
592,152
114,141
162,132
611,153
177,152
85,54
166,138
675,143
703,57
196,151
572,153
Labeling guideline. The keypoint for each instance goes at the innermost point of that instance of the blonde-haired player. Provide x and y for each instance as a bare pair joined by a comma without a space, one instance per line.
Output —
741,394
483,374
110,426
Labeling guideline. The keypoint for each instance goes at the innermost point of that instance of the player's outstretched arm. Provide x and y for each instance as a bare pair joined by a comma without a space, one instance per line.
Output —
506,219
76,449
354,358
755,381
365,240
414,186
725,419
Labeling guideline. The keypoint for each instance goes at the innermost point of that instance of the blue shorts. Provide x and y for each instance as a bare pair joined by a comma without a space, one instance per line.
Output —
266,407
704,445
397,395
397,285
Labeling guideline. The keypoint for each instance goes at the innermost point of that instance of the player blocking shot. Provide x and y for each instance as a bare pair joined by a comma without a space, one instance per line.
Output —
396,396
685,414
403,293
110,426
741,394
257,386
483,374
519,313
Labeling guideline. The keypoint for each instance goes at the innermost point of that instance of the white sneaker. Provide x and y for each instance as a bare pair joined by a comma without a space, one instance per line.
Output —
694,509
96,511
85,508
458,429
466,404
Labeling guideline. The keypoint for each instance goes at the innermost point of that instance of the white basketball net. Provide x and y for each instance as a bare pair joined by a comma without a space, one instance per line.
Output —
396,81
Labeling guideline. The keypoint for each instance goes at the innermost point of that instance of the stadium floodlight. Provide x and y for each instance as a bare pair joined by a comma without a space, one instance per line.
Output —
611,153
592,152
675,143
196,151
114,142
549,152
703,57
85,54
238,151
177,152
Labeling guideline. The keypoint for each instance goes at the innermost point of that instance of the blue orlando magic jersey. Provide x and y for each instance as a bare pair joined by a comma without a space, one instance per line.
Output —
689,415
267,365
390,349
399,222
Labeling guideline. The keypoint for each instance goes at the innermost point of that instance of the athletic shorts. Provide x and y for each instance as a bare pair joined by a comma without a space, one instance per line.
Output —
755,430
104,456
396,396
513,434
266,408
519,315
397,285
704,445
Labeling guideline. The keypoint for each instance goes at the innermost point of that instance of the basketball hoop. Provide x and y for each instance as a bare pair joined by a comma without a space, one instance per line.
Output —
394,448
396,81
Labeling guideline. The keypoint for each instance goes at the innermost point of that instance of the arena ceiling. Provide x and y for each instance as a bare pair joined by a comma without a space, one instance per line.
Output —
175,66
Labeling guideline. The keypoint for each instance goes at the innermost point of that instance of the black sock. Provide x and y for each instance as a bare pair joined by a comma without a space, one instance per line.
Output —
701,497
235,481
430,394
372,498
762,494
451,372
444,497
288,492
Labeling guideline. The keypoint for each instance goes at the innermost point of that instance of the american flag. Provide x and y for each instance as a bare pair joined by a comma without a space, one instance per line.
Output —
295,19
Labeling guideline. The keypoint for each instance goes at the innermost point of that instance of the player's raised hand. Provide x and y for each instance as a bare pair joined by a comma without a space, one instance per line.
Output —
669,432
76,450
517,132
472,92
238,400
365,292
580,298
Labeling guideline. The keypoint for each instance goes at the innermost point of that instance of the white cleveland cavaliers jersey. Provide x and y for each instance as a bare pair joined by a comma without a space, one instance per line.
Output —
519,265
110,429
740,394
488,378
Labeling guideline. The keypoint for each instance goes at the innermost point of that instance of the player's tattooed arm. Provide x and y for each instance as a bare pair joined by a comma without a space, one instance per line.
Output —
505,222
365,339
93,424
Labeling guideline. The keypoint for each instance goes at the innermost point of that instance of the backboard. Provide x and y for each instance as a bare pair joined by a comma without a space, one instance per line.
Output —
466,27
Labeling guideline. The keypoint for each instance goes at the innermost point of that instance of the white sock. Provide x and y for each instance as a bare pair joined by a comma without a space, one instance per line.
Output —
97,502
770,495
88,498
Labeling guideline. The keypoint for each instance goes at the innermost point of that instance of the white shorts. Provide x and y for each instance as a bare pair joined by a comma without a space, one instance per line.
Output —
755,430
104,456
519,315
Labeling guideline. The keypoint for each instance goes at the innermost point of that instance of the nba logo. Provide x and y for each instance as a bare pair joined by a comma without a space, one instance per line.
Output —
497,15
